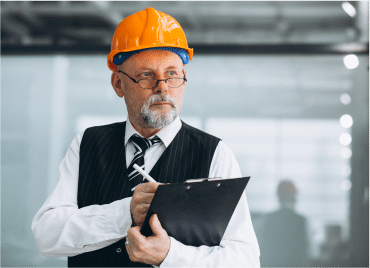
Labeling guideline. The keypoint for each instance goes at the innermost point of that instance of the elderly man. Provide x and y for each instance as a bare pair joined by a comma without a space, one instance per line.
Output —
95,213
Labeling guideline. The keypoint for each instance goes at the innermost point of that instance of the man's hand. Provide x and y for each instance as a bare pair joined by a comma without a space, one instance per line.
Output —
152,249
141,200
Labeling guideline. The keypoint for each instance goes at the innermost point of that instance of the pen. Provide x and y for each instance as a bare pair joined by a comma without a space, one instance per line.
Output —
142,172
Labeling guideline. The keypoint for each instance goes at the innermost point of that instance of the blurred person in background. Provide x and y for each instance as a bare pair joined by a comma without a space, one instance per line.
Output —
95,213
335,251
283,240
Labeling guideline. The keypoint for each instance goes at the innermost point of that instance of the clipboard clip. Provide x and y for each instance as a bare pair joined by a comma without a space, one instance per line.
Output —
203,179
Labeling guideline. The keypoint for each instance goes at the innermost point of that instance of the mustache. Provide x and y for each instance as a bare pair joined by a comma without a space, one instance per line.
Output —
161,98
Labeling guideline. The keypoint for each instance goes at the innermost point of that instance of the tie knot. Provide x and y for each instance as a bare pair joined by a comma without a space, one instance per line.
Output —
142,144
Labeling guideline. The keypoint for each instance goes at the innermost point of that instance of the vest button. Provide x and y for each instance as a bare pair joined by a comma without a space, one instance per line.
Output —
118,250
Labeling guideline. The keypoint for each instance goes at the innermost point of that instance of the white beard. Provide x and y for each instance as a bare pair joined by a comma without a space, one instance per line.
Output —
157,119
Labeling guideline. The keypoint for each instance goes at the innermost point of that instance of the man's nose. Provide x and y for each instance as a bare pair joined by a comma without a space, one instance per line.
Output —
161,87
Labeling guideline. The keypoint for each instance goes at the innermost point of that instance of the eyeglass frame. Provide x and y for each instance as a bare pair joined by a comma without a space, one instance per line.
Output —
158,80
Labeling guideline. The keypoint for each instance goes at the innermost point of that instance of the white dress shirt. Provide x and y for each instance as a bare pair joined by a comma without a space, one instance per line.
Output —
61,229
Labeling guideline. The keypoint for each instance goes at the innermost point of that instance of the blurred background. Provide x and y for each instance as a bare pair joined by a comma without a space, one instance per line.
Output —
284,84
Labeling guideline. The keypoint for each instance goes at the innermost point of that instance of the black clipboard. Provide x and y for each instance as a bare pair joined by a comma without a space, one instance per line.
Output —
196,213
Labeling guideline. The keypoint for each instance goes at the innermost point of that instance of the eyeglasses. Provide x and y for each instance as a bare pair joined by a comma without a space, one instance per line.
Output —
152,83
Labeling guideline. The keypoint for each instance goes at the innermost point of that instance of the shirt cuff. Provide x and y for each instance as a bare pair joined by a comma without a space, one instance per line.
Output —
115,220
179,255
119,216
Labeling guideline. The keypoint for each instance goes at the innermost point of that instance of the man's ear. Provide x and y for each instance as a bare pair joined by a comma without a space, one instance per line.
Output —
117,84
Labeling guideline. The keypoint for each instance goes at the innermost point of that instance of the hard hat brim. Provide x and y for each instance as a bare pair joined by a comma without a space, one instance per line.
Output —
114,52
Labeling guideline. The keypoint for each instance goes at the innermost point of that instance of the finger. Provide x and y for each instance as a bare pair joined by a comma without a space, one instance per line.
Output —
132,234
139,214
142,198
142,209
134,239
146,198
156,226
134,230
148,187
141,194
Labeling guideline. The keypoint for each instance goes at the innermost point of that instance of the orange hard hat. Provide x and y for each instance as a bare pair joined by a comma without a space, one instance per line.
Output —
147,28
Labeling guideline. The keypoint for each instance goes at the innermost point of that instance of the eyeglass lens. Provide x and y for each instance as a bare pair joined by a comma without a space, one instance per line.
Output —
151,83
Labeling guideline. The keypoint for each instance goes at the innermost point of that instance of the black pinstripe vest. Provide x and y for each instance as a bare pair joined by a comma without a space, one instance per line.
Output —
103,176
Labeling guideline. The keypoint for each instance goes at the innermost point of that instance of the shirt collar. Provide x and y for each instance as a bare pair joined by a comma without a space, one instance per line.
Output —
166,134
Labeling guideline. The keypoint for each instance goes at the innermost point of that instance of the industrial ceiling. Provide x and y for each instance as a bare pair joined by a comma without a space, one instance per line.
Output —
66,24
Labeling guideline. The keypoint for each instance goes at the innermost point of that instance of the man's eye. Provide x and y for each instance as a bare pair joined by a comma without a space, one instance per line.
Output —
171,73
145,74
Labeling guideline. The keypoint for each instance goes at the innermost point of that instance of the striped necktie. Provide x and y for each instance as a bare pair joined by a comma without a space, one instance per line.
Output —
141,145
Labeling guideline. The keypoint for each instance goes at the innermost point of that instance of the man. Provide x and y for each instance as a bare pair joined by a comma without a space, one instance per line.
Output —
284,235
95,213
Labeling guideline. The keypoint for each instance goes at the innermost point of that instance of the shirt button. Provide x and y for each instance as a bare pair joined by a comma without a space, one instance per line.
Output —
118,250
